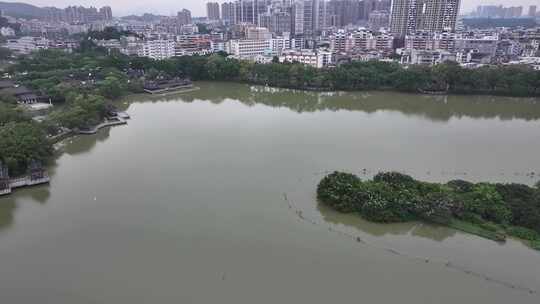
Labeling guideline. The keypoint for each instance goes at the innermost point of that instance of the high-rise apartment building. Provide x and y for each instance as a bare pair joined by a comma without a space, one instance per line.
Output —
212,10
248,11
184,17
493,11
227,12
79,14
378,20
408,16
344,12
532,11
106,12
277,20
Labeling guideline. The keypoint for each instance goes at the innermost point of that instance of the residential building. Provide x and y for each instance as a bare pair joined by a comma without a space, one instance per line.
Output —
258,33
27,44
184,17
247,48
378,20
425,57
409,16
212,11
532,11
7,31
157,49
361,40
314,58
227,12
78,14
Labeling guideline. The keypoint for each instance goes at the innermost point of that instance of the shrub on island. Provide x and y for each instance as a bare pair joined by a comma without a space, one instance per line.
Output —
491,210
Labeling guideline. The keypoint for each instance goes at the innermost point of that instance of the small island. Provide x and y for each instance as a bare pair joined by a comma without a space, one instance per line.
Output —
493,211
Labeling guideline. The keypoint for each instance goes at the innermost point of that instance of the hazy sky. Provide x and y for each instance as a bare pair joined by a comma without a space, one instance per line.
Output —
197,7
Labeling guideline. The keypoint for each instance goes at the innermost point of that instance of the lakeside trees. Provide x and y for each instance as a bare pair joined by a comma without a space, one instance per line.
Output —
52,66
21,143
490,210
373,75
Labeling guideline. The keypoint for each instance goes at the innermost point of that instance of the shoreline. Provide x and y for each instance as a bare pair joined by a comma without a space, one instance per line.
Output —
493,211
417,91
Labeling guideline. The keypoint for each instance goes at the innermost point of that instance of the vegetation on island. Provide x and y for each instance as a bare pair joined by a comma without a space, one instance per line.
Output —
494,211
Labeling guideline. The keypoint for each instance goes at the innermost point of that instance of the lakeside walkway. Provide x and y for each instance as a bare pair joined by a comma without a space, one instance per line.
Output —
25,181
112,122
120,119
166,92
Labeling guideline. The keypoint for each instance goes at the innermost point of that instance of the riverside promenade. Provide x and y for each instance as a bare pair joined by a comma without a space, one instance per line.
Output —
119,119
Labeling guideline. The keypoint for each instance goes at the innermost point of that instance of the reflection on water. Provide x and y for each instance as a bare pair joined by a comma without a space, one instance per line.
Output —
8,204
7,208
187,198
84,143
353,220
435,108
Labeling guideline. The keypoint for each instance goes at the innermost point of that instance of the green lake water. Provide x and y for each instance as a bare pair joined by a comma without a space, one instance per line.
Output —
209,197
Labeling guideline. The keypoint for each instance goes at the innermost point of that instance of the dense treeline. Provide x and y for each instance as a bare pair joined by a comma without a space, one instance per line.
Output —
21,139
496,80
491,210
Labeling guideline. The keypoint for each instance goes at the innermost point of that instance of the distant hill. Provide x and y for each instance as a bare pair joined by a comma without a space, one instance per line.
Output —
22,10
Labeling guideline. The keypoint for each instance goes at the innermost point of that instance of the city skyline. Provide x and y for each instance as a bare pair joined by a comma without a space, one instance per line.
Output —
198,7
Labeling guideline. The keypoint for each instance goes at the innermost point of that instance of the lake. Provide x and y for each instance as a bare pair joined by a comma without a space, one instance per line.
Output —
209,197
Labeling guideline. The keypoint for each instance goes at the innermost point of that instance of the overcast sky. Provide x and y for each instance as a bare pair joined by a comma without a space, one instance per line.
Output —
198,7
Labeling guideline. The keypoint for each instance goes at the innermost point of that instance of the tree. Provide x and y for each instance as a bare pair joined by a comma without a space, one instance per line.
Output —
111,87
82,111
22,142
9,113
